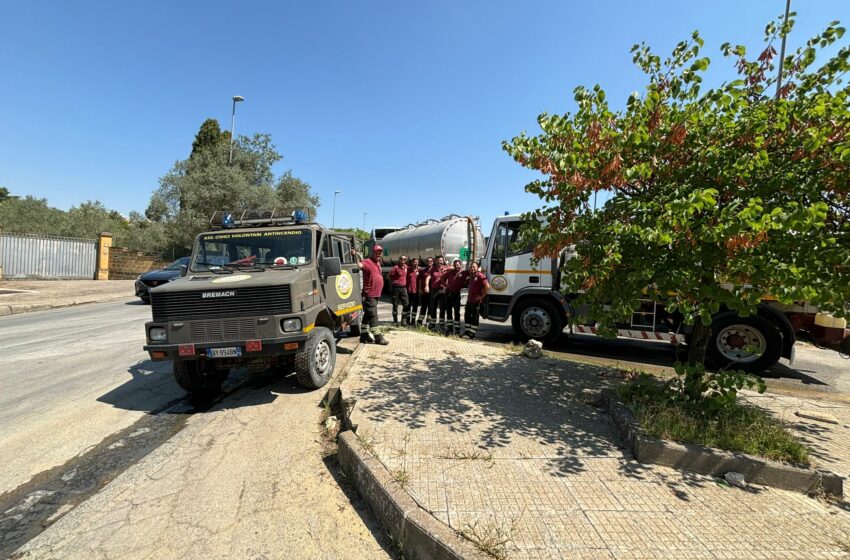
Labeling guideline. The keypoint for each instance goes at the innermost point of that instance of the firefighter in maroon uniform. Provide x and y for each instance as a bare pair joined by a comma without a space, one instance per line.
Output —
455,281
478,288
373,284
437,290
424,296
398,287
412,293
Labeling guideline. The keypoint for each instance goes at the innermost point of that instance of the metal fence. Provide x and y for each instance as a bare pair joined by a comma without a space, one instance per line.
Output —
40,257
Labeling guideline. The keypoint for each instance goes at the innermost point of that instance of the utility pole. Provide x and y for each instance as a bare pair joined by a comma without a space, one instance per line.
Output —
782,50
236,99
333,219
364,221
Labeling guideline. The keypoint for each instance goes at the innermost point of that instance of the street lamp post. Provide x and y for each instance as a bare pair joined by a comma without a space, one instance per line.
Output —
236,99
364,221
333,218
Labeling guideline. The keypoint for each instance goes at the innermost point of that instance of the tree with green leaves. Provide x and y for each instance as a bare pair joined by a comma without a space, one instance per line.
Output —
714,198
293,192
196,187
31,215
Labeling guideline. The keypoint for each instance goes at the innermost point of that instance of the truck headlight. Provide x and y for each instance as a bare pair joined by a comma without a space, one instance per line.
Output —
157,334
290,325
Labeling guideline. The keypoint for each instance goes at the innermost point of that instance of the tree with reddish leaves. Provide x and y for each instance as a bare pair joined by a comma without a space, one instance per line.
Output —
713,199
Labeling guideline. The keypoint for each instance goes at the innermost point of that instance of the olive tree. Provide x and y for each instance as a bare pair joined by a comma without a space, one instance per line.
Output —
713,197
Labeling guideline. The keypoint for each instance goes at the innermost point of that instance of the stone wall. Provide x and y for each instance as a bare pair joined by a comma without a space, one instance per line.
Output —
126,265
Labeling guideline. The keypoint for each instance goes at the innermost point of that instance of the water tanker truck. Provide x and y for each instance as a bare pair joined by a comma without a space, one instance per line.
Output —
453,237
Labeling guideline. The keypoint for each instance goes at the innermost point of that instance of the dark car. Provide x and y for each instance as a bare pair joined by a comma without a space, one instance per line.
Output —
156,278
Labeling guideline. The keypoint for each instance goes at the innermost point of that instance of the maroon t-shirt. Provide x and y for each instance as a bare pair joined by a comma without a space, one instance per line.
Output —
423,274
398,275
477,282
412,279
373,280
436,274
456,280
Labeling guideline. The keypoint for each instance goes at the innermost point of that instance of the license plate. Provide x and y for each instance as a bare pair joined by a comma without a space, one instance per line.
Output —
231,352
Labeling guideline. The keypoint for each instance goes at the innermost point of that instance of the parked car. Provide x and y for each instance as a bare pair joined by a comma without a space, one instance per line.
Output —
156,278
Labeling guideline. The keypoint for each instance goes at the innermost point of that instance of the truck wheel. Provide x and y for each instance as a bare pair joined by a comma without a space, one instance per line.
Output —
315,365
537,319
193,377
752,344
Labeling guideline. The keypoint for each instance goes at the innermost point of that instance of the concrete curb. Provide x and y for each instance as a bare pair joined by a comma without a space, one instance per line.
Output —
419,534
12,309
706,460
333,395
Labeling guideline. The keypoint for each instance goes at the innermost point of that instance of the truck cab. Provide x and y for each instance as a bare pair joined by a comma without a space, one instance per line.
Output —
264,290
520,288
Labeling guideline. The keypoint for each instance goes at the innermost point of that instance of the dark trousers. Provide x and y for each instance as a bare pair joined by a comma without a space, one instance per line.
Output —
413,297
438,301
453,311
471,318
370,314
399,295
425,305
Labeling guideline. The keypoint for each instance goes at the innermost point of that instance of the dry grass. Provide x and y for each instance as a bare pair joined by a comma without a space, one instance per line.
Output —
491,538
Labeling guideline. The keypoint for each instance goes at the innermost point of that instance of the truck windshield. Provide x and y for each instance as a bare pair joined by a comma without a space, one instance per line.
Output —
291,247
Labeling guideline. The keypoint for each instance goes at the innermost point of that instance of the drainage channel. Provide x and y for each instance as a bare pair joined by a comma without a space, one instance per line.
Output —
32,507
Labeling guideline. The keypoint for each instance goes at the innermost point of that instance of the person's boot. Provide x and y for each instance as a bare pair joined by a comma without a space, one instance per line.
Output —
404,321
379,339
395,320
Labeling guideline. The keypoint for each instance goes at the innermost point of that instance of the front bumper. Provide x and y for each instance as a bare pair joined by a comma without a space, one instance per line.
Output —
281,346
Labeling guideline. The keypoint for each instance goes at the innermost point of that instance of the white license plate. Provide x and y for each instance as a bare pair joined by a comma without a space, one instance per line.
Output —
231,352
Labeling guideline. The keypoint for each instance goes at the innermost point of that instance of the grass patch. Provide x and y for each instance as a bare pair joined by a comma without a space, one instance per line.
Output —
738,427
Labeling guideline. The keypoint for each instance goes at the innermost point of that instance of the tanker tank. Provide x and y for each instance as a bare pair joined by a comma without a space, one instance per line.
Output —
453,237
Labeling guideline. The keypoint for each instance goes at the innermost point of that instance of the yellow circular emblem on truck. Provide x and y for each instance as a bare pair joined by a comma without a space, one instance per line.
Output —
344,284
499,283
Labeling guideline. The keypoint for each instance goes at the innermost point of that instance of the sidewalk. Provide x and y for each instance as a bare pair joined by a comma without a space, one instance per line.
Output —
511,453
24,296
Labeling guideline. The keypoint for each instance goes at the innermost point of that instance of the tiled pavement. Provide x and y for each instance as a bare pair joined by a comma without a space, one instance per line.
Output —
508,449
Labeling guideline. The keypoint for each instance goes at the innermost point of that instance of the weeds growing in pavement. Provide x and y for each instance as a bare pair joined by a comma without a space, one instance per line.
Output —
491,538
401,476
734,427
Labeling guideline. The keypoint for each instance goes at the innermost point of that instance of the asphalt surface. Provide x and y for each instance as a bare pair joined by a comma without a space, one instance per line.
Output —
815,372
105,456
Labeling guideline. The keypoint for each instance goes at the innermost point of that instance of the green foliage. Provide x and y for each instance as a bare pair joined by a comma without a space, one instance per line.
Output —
4,194
31,215
209,136
714,198
196,187
733,427
292,192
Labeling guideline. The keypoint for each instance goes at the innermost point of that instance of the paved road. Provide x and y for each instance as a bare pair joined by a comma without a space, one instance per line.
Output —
815,370
101,446
70,378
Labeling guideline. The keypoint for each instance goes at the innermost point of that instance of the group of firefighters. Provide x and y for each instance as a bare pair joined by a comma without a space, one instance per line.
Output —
429,295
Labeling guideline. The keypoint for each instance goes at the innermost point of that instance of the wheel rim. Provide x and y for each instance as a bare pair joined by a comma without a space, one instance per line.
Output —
741,343
323,356
535,322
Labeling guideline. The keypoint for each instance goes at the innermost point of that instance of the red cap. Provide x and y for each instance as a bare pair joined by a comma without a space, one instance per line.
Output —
377,248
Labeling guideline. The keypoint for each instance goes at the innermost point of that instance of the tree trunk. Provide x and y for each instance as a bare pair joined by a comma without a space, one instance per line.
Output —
699,342
696,359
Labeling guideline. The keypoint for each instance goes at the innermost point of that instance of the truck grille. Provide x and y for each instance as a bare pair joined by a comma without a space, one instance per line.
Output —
181,306
224,329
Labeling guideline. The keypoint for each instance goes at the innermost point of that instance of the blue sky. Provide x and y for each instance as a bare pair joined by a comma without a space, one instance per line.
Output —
401,106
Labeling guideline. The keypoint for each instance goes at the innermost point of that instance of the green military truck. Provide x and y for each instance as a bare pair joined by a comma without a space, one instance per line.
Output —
262,290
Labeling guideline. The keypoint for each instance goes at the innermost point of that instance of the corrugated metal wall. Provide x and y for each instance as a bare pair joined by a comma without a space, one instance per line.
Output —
34,256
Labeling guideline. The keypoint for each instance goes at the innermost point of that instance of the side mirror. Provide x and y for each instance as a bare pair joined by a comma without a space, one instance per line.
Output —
184,270
331,266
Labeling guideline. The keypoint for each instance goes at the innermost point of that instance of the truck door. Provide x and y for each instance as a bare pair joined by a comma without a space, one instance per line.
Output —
342,292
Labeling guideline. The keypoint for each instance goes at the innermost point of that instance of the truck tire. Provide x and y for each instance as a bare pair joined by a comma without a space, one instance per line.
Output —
538,319
315,365
198,378
731,334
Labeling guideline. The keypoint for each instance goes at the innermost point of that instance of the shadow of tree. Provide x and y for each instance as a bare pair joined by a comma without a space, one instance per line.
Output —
543,407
